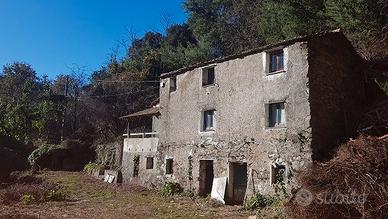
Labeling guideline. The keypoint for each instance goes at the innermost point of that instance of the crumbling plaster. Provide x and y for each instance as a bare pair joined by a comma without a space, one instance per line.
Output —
322,87
239,95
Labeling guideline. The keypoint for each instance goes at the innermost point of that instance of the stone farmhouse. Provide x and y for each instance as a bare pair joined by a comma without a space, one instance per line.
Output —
255,119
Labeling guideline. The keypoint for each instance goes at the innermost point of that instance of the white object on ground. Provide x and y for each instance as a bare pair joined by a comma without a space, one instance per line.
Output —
219,188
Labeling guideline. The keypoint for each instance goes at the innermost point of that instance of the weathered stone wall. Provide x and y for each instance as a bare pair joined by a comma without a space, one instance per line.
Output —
239,96
290,151
337,92
141,147
321,86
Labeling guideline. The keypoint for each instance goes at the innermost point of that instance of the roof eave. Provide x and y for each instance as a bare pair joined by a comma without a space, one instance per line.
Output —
246,53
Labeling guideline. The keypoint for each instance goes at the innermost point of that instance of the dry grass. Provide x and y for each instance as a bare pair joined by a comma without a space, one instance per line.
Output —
24,187
359,169
92,198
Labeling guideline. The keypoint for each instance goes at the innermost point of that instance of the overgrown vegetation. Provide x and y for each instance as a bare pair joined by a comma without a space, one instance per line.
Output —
27,111
57,194
93,166
28,189
92,198
351,185
171,188
188,193
27,199
13,156
106,154
40,152
267,206
260,201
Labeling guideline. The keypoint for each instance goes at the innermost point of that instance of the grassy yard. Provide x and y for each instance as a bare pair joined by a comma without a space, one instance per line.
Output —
92,198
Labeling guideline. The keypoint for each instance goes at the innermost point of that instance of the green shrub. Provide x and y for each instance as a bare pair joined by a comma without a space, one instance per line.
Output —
188,193
41,151
260,201
91,166
57,195
170,189
27,199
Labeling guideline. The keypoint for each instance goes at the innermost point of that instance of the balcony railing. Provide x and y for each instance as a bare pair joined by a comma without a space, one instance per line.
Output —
142,135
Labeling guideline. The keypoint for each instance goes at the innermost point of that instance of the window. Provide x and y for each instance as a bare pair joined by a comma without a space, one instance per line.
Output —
172,84
276,62
208,76
276,115
169,167
278,174
208,120
150,163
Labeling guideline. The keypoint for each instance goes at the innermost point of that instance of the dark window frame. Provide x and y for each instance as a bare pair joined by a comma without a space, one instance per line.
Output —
173,84
279,174
275,116
276,61
149,163
208,120
169,166
208,76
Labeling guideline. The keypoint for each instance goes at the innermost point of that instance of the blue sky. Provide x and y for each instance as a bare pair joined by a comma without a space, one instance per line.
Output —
55,35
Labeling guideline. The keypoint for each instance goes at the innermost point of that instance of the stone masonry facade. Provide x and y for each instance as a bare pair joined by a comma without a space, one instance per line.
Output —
320,87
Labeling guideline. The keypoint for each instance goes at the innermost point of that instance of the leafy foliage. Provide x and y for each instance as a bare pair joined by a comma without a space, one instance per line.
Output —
27,199
260,201
176,57
25,104
58,194
233,26
171,188
279,20
92,166
363,18
40,152
188,193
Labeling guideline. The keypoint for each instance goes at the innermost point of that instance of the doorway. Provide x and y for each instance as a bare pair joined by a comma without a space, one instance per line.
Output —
237,186
206,175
